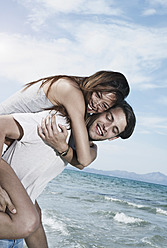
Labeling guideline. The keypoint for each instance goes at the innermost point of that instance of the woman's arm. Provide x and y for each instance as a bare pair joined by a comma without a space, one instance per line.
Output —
71,97
57,140
26,220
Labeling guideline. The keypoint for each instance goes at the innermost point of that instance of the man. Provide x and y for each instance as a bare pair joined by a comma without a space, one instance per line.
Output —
35,163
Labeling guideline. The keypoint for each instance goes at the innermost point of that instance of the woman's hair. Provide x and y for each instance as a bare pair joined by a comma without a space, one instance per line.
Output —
106,81
103,81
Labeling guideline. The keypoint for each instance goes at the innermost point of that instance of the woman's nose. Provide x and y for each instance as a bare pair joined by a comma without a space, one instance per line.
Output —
100,107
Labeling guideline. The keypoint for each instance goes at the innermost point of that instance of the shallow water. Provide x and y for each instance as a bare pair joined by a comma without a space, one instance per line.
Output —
88,210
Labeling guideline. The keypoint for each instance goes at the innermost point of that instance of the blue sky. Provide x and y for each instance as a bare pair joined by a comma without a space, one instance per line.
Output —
78,37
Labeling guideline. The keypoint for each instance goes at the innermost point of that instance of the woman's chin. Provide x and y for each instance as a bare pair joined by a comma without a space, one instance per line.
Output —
91,112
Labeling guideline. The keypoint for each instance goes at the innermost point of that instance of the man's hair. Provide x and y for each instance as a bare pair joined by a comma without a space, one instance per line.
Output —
130,119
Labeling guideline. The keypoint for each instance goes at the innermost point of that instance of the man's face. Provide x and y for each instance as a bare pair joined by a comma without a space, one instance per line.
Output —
108,125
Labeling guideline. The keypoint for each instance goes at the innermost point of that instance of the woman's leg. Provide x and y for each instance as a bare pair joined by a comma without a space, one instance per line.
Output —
38,238
26,220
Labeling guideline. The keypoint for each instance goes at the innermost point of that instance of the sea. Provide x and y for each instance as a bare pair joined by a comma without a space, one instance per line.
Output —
85,210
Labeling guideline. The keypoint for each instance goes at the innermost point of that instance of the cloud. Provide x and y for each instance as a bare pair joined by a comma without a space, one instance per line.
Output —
162,3
84,48
73,6
128,48
81,6
41,11
24,58
162,100
152,124
158,7
149,12
150,86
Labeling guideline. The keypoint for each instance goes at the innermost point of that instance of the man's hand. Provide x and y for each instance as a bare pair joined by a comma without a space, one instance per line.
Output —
50,134
5,202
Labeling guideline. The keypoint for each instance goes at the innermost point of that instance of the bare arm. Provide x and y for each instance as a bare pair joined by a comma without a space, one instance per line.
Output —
71,97
57,140
26,220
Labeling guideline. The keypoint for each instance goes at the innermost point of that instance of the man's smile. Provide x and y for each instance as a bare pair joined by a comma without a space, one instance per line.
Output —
99,130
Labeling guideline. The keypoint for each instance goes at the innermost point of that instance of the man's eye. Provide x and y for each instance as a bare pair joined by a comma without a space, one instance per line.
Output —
115,131
109,117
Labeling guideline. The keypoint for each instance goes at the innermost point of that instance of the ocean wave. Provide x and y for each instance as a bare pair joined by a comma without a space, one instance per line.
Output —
148,242
54,224
108,214
113,199
55,193
161,211
136,205
124,202
139,206
155,241
123,218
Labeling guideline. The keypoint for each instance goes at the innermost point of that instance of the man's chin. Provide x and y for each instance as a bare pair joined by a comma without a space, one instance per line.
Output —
96,139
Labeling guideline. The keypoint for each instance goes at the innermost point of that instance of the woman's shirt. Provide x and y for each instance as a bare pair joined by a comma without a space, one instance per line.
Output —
33,99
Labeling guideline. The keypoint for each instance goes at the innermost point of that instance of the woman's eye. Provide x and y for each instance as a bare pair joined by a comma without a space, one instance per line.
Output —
98,94
105,106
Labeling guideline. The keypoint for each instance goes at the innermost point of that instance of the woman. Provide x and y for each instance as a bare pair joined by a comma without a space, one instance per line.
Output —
75,96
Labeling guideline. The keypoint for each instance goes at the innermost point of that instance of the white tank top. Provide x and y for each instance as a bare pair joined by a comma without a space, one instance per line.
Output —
32,100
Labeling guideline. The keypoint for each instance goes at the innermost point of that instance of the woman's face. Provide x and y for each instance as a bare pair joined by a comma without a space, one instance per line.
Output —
100,101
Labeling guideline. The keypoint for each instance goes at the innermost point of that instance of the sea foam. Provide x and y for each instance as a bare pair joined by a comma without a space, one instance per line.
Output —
161,211
124,202
123,218
55,224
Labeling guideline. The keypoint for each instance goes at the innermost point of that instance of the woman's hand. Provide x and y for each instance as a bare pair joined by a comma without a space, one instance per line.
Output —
50,134
5,202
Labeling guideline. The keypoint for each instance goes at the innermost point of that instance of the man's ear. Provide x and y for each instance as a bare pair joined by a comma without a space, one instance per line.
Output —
113,138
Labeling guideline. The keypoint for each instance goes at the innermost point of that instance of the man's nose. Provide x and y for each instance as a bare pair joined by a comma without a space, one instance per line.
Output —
107,126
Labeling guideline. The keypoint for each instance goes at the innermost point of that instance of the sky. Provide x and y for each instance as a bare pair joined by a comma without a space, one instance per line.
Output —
40,38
